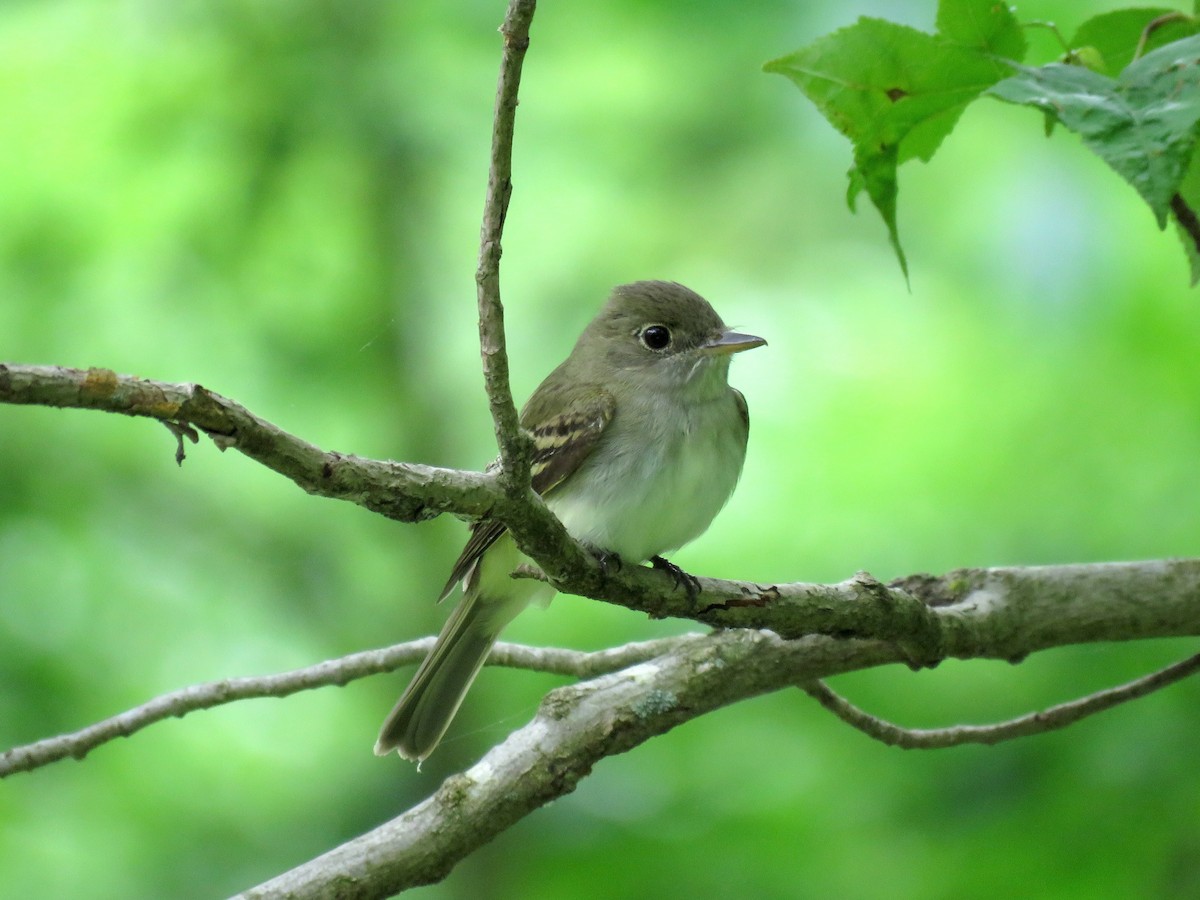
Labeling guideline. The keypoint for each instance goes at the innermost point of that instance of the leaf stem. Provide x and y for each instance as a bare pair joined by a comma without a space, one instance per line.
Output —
1152,26
1053,29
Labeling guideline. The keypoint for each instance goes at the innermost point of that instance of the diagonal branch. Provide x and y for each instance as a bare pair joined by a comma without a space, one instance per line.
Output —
575,728
1051,719
407,492
332,672
579,725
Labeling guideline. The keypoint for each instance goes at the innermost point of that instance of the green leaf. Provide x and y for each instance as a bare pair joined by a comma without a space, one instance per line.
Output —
1142,124
990,27
1088,56
878,174
896,92
1115,35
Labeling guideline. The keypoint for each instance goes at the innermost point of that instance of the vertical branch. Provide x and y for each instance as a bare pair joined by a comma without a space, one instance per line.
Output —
514,445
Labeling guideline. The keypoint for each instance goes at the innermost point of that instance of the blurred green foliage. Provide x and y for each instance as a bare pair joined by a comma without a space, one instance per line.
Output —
280,200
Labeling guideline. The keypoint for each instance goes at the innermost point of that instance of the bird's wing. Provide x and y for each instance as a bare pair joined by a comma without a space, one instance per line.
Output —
561,442
743,409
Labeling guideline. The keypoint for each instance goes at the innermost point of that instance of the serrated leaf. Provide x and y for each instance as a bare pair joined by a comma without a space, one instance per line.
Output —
1142,124
896,92
878,172
987,26
1115,35
854,186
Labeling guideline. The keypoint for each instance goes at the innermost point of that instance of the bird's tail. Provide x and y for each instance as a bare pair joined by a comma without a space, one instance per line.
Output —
423,713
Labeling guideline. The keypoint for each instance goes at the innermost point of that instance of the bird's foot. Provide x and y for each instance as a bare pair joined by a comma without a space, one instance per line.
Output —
609,561
690,583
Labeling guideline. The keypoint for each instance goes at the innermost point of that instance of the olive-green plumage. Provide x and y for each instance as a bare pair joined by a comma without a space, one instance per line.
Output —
639,441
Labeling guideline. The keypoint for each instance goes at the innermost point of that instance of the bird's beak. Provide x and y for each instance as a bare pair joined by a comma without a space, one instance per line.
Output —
731,342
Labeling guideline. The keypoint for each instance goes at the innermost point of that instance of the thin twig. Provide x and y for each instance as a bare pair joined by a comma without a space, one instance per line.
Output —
513,443
537,532
1051,719
339,672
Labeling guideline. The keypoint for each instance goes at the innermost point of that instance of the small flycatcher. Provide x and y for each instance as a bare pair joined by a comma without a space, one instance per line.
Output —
639,441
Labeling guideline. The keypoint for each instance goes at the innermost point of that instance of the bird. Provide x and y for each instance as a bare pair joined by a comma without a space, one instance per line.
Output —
639,441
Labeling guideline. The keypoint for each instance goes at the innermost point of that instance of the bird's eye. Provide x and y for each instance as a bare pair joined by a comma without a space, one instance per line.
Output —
656,337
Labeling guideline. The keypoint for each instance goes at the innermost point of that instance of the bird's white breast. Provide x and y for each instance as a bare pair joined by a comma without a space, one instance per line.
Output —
658,477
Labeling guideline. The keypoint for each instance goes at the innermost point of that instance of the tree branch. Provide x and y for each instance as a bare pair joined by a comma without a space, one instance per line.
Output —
575,727
407,492
578,725
331,672
925,614
515,446
537,532
1051,719
999,613
1005,613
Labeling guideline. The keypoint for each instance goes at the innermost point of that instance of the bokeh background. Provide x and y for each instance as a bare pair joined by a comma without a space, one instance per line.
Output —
280,200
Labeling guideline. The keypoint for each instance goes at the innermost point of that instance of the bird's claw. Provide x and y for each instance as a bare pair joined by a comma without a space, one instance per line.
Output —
608,561
690,583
